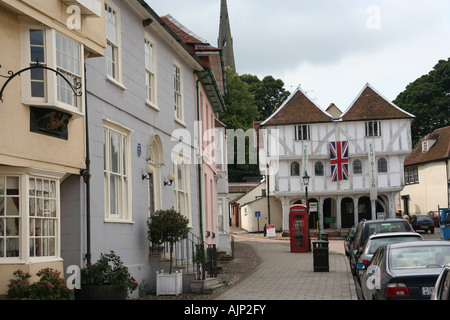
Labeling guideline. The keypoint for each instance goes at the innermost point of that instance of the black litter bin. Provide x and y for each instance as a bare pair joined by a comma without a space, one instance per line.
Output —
320,254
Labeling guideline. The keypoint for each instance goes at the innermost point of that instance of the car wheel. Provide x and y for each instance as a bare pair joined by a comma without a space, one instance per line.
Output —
432,231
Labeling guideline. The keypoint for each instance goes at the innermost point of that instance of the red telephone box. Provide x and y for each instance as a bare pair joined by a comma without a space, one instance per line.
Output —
298,227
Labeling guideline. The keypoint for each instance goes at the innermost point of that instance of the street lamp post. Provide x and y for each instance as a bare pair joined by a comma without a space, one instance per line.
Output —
306,183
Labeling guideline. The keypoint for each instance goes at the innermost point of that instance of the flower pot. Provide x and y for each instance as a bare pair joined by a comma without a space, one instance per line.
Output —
101,293
169,283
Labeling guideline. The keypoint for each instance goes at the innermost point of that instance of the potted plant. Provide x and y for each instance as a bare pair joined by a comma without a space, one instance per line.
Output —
167,226
107,279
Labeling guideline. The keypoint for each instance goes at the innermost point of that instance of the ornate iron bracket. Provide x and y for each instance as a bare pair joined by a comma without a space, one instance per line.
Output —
76,89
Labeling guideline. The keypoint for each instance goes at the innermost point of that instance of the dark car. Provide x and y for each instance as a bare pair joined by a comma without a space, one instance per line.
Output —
404,270
434,215
422,222
348,240
367,227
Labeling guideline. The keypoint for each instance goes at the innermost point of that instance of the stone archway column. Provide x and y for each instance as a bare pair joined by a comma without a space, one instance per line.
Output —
391,205
320,213
373,205
338,213
355,210
285,207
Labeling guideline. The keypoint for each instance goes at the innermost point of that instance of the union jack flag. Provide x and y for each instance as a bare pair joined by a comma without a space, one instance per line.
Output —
339,160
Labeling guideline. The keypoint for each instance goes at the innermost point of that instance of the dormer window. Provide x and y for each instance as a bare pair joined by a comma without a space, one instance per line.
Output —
427,144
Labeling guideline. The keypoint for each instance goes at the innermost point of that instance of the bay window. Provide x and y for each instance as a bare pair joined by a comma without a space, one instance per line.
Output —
54,50
29,215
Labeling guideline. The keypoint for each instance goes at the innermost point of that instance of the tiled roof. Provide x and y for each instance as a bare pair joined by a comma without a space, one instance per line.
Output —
187,36
370,105
440,150
298,108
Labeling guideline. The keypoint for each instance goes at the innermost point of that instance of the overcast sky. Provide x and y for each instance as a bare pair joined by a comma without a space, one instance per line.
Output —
332,48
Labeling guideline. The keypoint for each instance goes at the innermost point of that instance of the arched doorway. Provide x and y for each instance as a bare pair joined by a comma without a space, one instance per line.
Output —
364,209
329,213
313,214
347,213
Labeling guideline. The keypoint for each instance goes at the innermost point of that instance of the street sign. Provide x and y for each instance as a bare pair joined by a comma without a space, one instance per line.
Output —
257,214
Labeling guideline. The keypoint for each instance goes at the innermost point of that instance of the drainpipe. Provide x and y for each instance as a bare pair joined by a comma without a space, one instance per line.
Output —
200,161
86,174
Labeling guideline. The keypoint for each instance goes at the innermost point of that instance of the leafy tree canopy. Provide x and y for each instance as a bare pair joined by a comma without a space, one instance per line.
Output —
241,109
428,98
268,92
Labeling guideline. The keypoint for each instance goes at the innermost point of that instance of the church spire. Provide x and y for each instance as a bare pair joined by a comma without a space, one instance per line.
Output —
225,41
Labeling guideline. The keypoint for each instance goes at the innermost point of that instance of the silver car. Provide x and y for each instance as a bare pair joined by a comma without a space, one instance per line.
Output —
376,240
442,287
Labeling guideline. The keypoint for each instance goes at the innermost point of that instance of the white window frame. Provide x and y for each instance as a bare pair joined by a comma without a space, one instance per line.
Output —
150,72
178,92
302,132
116,44
52,81
25,216
373,128
182,187
411,175
123,202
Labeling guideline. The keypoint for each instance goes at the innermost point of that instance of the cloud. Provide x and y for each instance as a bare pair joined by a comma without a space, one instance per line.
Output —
330,47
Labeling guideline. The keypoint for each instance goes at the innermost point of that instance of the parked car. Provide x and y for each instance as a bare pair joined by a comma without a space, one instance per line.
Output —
376,240
404,270
422,222
434,215
442,287
367,227
348,240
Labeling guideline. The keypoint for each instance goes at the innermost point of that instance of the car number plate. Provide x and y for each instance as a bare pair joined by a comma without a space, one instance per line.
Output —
427,291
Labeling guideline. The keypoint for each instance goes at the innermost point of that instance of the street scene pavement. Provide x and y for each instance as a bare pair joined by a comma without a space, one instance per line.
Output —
285,275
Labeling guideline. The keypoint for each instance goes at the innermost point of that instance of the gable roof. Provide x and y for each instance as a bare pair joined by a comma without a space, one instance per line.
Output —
371,105
440,150
297,108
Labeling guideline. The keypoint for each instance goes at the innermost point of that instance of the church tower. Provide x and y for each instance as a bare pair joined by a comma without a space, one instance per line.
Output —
225,41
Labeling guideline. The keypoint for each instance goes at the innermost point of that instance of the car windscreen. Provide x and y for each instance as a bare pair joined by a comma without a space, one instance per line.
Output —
377,242
423,218
397,226
419,257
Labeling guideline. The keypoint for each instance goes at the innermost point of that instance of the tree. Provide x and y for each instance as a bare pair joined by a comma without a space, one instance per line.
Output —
241,109
167,226
248,100
268,93
428,98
